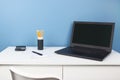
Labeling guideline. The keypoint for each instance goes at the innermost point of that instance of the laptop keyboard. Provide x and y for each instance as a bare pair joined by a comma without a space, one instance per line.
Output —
88,50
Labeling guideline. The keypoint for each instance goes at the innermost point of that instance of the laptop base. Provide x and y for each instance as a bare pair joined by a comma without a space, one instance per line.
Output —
99,56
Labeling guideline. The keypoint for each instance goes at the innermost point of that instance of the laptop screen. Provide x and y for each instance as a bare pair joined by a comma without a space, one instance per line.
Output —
93,34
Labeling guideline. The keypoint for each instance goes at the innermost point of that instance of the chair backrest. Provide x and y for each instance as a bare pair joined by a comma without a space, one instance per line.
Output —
16,75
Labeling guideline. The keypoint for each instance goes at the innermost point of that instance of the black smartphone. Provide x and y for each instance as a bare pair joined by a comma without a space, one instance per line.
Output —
20,48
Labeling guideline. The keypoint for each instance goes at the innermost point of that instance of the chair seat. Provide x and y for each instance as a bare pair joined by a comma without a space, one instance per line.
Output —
19,75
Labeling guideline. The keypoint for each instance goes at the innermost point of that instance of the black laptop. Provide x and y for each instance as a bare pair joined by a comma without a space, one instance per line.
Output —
91,40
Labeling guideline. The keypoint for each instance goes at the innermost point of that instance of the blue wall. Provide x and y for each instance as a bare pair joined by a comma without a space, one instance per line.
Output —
19,20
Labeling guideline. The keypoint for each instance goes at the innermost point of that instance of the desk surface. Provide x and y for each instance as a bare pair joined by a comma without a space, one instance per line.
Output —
11,57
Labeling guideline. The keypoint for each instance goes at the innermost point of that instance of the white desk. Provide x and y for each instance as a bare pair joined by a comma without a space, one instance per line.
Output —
63,67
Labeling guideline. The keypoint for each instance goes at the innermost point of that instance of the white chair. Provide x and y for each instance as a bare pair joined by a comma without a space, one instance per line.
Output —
17,75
